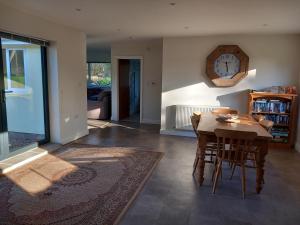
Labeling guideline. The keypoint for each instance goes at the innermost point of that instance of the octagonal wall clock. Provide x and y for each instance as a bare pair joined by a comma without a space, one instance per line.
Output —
227,65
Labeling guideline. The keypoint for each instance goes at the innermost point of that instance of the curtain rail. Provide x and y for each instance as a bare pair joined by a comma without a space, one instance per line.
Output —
18,37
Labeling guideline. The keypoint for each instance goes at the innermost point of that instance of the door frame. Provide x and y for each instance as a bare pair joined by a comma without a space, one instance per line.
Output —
44,61
3,110
115,85
3,119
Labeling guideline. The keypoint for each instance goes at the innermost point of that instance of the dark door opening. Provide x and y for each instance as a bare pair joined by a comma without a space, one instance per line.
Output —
129,89
99,91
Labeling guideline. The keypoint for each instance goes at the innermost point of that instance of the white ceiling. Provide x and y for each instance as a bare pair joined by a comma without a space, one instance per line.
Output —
106,21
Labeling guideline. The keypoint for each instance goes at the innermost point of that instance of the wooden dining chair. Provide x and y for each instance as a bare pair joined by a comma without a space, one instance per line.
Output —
267,124
252,152
259,118
211,147
224,111
232,147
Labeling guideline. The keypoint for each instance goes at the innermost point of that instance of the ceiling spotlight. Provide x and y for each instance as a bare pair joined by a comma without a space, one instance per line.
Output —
172,3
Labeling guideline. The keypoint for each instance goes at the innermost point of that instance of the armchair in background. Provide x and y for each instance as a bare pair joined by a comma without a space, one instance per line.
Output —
100,108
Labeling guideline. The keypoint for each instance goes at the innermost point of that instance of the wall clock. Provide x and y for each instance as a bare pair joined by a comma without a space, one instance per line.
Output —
227,65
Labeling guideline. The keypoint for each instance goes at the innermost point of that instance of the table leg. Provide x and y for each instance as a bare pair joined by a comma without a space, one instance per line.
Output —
201,145
260,162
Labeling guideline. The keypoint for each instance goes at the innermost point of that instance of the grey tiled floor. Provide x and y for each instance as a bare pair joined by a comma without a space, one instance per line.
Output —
171,195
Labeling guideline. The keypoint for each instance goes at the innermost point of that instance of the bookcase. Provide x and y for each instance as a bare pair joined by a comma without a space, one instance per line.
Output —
282,110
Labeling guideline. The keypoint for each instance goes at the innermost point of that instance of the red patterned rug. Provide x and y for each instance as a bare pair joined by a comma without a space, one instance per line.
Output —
79,184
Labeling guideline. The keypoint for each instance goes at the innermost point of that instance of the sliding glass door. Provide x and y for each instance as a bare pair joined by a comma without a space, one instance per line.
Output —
23,98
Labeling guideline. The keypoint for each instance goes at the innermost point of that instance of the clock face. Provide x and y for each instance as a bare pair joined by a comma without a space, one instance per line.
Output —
226,66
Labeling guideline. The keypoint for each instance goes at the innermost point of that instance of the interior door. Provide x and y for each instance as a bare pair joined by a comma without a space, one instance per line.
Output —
124,88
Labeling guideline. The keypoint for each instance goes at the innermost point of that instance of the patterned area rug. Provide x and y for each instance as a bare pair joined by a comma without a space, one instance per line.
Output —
80,184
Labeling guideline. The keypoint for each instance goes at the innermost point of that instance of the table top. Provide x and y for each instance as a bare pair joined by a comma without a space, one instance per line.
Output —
208,124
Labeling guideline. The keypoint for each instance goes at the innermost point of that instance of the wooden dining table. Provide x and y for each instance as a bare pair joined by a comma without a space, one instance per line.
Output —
207,125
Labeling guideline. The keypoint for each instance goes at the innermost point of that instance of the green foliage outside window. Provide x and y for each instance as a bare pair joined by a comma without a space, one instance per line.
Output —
16,65
99,74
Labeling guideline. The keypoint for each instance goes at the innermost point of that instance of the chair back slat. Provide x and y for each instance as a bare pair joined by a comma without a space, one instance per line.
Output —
267,124
231,145
259,118
195,119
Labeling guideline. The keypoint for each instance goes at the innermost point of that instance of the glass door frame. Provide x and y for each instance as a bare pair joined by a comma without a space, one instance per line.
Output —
3,118
45,95
3,111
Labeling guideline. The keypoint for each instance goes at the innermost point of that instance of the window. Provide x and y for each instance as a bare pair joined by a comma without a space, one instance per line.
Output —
99,74
17,71
4,68
14,68
24,121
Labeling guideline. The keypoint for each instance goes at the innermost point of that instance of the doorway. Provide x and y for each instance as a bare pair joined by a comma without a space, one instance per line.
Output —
99,91
129,89
23,96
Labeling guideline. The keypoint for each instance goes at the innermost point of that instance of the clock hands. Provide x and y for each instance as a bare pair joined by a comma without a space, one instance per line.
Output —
226,64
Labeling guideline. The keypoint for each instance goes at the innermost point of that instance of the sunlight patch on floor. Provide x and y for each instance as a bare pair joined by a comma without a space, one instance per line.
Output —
40,177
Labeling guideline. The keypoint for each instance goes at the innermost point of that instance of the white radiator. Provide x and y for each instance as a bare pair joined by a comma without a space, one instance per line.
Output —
184,112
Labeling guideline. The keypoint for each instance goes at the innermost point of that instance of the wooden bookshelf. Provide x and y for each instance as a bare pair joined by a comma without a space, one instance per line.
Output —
282,109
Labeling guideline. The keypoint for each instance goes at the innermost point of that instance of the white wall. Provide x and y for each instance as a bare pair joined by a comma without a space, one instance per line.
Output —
151,52
99,55
67,78
274,60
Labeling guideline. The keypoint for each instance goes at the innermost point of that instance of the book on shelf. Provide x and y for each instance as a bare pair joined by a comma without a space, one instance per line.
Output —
278,104
271,106
280,132
280,140
280,135
279,90
278,119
